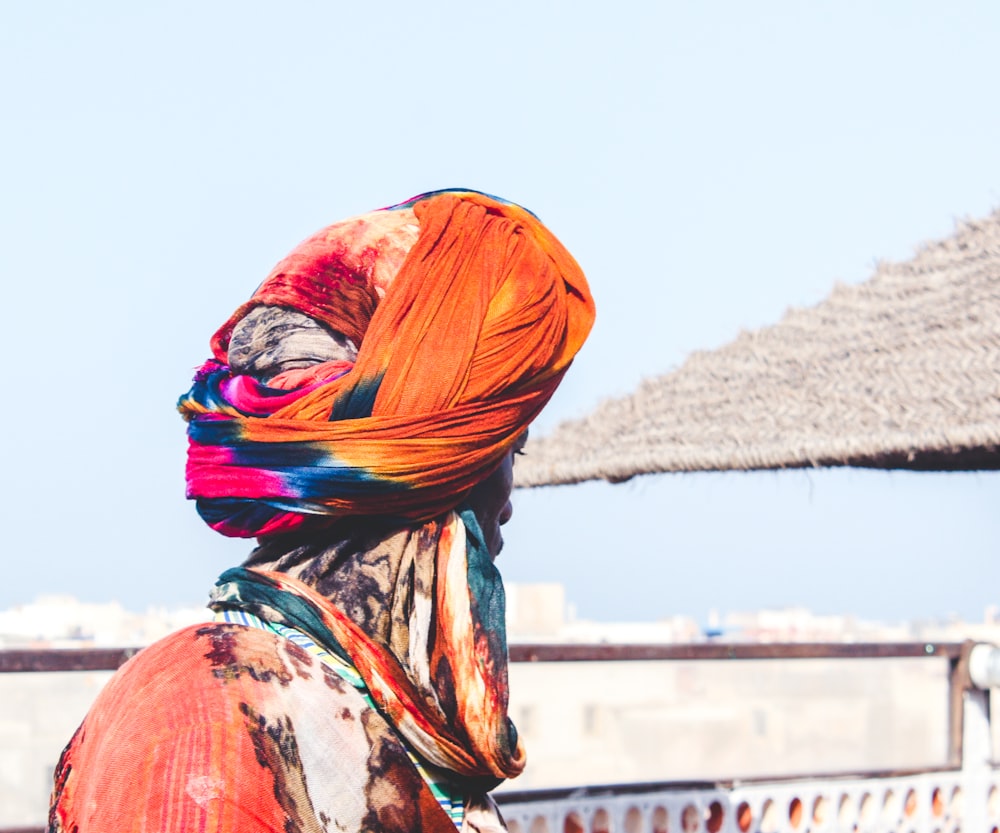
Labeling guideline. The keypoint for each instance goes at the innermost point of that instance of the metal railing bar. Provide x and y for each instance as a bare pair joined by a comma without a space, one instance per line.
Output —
108,659
733,650
64,659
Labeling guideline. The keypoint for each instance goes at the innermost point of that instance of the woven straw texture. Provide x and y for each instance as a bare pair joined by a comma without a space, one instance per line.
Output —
902,371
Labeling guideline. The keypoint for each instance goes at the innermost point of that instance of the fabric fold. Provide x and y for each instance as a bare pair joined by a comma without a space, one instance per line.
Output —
442,682
466,312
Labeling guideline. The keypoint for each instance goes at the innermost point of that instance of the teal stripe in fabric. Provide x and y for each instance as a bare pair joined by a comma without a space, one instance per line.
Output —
242,589
304,641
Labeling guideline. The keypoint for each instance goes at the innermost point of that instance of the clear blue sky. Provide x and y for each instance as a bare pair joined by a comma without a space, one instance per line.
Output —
710,165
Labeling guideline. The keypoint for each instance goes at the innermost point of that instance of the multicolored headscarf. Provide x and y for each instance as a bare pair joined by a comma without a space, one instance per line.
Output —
464,311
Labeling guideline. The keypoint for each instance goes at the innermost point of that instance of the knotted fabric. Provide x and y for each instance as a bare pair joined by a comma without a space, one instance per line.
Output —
465,312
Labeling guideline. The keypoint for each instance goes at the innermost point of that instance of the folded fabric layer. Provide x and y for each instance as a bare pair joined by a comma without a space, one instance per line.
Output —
465,311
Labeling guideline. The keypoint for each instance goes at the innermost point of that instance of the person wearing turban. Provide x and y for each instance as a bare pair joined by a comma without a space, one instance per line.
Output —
359,417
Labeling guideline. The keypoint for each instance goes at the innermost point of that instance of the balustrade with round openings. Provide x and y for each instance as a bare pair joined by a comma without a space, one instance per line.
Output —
820,810
847,812
744,817
956,804
539,824
601,823
714,817
690,819
945,802
795,813
573,823
937,803
866,812
769,817
891,810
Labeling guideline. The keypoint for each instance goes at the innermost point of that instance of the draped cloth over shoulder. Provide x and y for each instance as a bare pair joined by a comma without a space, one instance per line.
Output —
458,351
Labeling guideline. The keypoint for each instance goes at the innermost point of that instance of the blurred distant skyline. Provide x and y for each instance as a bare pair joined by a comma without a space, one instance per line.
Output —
709,165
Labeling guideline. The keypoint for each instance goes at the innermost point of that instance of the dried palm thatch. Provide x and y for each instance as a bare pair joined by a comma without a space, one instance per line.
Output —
902,371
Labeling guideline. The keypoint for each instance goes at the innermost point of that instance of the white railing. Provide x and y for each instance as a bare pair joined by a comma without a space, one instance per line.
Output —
936,802
962,795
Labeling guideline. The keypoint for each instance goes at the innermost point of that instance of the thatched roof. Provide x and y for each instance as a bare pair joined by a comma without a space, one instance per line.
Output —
902,371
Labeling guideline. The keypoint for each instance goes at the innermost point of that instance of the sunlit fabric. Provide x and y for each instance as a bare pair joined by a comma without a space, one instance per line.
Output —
466,313
223,728
431,646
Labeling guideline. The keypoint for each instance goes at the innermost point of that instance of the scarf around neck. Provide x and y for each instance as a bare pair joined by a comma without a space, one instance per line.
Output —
420,615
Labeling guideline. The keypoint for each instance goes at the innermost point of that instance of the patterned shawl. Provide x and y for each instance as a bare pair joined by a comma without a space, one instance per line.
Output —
224,728
419,612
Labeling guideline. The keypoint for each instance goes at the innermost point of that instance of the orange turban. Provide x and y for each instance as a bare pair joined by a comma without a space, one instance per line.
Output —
465,312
